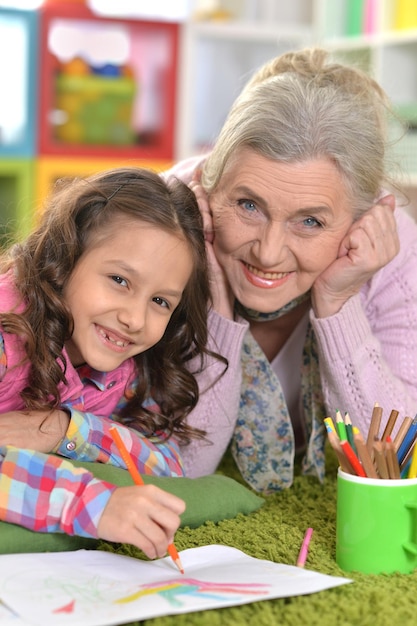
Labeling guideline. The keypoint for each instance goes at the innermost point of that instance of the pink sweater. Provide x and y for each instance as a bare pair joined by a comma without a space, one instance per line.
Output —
367,352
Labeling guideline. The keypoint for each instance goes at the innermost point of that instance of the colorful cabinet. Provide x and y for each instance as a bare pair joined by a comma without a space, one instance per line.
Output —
82,92
49,169
108,86
16,198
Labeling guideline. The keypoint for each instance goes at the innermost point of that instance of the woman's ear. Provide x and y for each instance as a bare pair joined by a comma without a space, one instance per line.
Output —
388,200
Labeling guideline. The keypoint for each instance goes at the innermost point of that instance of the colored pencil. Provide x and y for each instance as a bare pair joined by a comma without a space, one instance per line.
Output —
343,462
390,425
392,459
363,454
380,460
412,471
407,441
340,426
349,432
353,459
398,439
329,424
407,460
138,480
302,557
374,427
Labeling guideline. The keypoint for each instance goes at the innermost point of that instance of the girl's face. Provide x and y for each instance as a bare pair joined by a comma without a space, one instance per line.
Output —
277,226
123,291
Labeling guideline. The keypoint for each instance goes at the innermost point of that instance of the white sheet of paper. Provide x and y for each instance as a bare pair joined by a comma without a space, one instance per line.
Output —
7,618
97,588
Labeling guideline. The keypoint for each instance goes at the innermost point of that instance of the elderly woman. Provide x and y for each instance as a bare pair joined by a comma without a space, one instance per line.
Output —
313,274
314,269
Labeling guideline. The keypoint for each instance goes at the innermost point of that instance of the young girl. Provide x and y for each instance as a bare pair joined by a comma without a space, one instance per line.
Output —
102,309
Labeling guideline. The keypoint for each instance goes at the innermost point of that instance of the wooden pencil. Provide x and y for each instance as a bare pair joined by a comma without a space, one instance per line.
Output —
380,460
390,425
363,454
399,438
408,440
138,480
335,443
374,427
392,459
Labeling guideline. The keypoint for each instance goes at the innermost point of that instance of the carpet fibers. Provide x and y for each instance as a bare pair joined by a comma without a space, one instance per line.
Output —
275,532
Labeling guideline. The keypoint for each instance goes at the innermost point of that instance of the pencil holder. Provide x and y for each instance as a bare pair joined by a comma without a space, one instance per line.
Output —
376,524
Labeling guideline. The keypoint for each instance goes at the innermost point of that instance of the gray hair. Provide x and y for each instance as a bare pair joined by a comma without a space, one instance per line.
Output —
299,107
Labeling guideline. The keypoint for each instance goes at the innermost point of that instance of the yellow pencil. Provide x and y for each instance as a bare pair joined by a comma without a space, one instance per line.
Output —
329,422
412,472
138,480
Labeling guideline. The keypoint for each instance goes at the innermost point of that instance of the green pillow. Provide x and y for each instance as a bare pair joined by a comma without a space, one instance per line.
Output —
209,498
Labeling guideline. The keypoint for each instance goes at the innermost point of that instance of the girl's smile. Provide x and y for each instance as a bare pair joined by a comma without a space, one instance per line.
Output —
120,298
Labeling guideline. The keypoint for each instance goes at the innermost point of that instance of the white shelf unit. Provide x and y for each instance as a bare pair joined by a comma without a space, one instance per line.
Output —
389,54
217,57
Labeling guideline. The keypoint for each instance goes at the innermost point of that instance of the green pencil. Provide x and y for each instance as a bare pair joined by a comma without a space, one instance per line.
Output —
340,425
349,431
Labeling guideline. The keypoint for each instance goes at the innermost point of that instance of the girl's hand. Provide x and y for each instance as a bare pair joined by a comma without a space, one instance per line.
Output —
144,516
221,293
370,244
36,430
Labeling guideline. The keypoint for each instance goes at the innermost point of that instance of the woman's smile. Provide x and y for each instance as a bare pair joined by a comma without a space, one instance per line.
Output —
262,279
277,226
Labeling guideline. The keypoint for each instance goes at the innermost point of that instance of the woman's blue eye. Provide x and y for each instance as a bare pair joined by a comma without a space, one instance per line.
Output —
161,302
248,205
119,280
311,222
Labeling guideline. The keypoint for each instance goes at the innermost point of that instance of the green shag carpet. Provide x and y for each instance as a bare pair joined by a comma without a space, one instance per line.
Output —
275,532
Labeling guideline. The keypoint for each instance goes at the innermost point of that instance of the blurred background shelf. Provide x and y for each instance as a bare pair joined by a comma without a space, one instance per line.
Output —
96,83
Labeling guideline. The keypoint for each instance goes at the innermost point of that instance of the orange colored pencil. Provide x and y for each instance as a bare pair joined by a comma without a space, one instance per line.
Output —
138,480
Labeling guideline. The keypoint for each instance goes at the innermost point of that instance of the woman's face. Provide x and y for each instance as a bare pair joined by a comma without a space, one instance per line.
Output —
277,226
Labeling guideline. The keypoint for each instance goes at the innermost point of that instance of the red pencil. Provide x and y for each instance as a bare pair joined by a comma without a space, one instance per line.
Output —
352,458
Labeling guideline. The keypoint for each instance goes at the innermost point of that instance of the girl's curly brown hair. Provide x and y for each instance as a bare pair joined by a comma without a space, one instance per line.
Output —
43,263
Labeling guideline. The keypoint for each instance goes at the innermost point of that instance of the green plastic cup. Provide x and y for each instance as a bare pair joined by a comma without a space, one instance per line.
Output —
376,524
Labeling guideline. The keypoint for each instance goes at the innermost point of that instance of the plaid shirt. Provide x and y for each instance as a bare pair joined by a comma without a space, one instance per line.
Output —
48,494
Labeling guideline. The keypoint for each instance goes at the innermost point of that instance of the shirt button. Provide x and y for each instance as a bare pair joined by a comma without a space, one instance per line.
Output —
112,384
70,446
